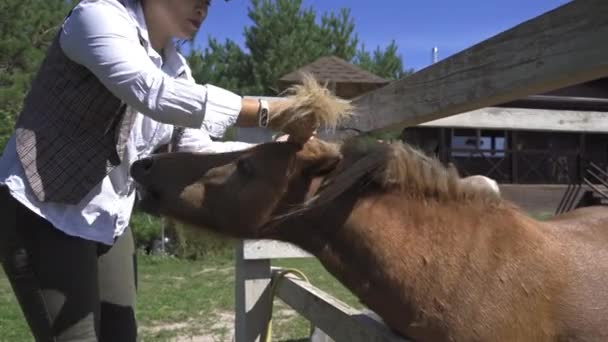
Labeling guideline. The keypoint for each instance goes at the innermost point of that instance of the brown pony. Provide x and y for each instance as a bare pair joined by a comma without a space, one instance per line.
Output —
437,258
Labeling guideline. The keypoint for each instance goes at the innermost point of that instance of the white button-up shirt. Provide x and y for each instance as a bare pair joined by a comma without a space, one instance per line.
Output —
112,41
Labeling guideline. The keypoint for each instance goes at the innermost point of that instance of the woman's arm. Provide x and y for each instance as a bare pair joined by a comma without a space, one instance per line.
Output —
102,37
195,140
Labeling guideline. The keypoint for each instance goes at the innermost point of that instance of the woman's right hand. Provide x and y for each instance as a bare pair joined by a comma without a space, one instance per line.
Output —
299,130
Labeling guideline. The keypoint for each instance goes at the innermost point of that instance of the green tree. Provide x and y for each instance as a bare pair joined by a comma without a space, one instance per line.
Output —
285,36
26,30
224,64
338,34
270,54
385,63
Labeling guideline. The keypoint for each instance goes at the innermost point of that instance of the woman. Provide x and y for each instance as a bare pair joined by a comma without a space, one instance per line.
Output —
111,90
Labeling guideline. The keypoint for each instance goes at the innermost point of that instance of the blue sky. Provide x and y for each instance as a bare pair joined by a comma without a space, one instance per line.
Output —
415,25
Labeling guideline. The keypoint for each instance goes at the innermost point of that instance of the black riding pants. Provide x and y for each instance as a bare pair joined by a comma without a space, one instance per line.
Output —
69,289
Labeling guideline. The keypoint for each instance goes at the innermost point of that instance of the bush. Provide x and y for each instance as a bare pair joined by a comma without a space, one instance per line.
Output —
183,241
196,243
146,229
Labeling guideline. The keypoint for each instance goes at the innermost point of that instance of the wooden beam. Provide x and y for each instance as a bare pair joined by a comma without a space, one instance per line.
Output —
335,318
526,119
563,47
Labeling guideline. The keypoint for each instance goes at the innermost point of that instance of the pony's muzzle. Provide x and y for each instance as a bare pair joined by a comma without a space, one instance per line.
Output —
141,168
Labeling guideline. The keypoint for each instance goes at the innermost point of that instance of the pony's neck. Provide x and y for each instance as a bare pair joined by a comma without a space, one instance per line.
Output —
412,252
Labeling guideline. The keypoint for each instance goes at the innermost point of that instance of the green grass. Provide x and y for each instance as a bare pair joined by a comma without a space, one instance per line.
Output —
180,297
189,298
12,325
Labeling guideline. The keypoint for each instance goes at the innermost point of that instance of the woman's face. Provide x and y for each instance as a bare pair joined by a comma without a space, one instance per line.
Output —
184,17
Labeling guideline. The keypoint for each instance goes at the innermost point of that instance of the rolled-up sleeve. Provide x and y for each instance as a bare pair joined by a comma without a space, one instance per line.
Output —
195,140
222,109
103,37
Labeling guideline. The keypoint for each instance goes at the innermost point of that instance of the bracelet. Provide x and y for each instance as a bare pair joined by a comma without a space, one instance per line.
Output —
263,114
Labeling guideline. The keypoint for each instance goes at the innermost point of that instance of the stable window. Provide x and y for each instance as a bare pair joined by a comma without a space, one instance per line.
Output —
478,143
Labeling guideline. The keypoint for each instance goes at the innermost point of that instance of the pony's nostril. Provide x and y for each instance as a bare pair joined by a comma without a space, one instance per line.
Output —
142,167
146,164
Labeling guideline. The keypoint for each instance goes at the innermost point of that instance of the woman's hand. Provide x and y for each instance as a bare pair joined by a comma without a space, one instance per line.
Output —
286,137
299,130
282,138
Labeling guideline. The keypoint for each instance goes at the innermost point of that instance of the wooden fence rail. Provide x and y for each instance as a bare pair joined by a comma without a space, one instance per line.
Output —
335,320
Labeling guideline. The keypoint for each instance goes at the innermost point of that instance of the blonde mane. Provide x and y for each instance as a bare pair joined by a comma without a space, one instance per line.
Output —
412,172
395,166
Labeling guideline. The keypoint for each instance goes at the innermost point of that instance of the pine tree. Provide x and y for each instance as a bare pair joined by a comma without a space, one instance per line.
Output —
385,63
26,29
224,65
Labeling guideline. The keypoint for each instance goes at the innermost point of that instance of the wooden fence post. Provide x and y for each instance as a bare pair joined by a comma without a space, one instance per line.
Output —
252,309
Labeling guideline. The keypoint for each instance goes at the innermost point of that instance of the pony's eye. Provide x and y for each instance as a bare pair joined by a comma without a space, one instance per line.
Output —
245,167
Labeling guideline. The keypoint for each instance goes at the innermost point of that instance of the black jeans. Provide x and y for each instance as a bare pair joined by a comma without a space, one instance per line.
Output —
69,288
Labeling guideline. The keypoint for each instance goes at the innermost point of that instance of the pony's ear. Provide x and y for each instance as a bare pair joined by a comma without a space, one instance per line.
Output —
317,158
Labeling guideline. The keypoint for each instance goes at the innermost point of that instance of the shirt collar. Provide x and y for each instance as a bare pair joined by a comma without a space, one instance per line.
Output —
174,65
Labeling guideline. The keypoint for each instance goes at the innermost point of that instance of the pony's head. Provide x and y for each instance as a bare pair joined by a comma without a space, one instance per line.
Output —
234,193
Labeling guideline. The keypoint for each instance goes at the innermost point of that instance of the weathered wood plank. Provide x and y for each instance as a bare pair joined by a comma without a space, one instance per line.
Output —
335,318
271,249
562,47
526,119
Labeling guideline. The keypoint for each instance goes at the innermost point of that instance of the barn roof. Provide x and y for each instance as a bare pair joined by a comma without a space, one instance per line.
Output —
332,68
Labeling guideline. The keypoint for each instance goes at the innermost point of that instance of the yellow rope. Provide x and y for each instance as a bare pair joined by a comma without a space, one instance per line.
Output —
276,279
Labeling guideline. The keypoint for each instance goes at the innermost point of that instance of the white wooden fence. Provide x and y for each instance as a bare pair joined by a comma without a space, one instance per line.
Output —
334,320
